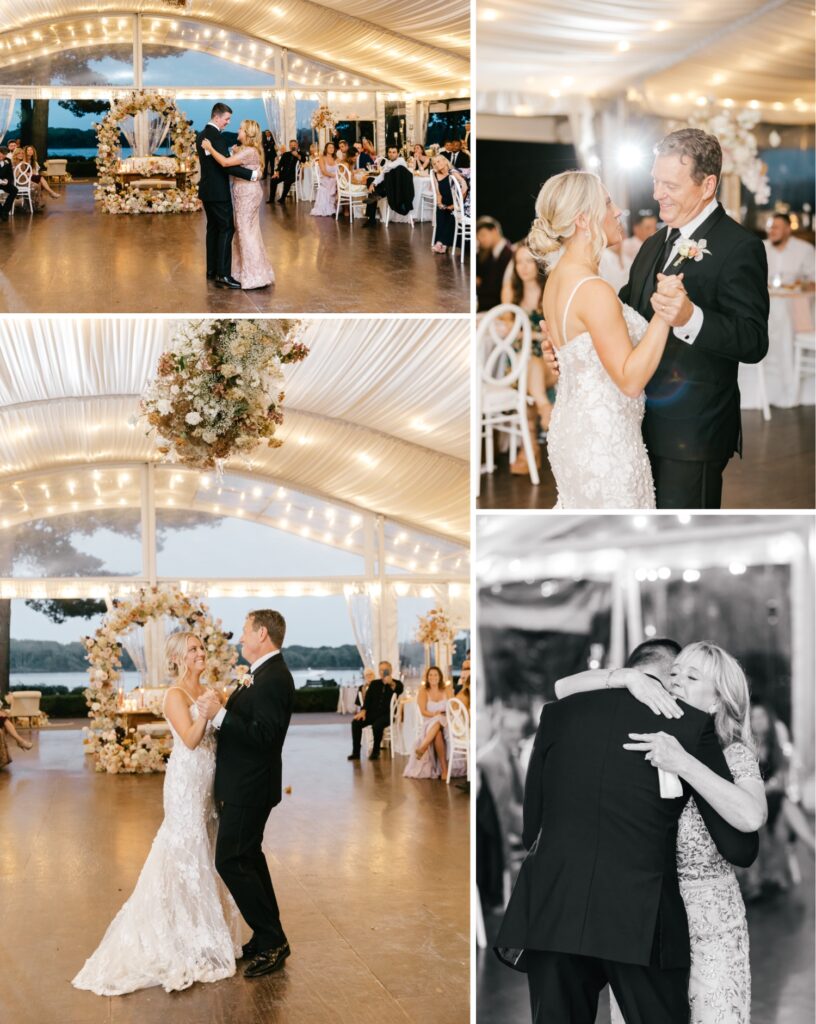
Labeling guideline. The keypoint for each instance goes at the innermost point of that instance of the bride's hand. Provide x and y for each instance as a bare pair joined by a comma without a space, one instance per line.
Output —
206,145
671,302
649,692
662,751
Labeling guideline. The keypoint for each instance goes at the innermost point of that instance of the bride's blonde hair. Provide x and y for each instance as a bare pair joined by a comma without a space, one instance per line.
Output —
561,200
175,650
253,135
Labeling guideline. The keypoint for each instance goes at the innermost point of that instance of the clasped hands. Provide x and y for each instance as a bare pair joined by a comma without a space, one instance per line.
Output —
671,302
209,705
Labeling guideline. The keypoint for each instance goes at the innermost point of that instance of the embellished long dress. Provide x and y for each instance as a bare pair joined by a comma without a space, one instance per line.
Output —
250,264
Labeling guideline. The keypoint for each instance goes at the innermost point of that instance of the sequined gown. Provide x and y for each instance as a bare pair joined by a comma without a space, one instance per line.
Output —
250,264
180,925
720,980
595,445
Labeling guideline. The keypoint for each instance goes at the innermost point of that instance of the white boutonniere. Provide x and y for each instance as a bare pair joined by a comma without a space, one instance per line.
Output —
690,249
244,676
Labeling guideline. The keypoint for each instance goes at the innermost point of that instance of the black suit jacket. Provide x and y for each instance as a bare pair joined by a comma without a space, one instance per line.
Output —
377,703
7,173
693,401
213,186
460,159
287,165
600,879
248,766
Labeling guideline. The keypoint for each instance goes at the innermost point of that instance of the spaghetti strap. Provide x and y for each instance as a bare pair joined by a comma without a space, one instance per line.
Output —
595,277
181,690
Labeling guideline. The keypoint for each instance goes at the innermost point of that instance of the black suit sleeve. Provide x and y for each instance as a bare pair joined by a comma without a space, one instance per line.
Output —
738,329
263,727
533,787
739,848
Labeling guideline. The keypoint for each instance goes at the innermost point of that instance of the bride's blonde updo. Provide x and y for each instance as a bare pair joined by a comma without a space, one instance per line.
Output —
561,200
175,650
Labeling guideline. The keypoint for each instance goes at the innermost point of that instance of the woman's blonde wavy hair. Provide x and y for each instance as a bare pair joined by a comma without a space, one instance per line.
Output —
732,717
254,139
561,200
174,651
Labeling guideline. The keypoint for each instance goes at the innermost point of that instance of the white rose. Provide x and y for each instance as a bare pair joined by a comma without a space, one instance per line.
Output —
192,418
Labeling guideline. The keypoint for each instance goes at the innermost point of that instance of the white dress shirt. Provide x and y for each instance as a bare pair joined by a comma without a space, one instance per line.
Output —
387,166
253,668
791,262
689,331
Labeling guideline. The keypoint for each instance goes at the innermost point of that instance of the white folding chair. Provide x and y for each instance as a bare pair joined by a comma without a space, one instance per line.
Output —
502,391
299,182
434,199
804,360
458,722
349,194
463,222
762,392
315,179
22,179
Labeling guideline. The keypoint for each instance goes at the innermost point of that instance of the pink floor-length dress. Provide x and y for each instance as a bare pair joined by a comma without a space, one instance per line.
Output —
326,201
250,264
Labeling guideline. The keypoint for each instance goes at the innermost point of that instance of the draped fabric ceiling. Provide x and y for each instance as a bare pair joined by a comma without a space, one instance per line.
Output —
542,58
376,418
413,45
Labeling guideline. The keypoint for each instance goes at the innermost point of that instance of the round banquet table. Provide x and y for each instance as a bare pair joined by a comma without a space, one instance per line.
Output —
346,699
791,311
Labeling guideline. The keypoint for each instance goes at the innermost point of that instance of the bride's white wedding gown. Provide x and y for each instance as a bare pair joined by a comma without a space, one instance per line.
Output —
595,445
180,924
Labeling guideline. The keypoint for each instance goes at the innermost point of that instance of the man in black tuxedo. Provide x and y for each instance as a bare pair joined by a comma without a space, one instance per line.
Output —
248,769
719,313
457,156
6,183
214,193
597,899
286,173
376,711
270,150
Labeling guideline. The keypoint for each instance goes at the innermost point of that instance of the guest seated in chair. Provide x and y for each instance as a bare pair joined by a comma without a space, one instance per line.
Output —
286,170
7,728
445,220
376,711
396,190
430,758
36,177
6,183
419,161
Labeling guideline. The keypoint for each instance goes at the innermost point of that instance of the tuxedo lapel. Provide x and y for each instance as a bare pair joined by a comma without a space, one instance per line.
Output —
642,285
682,266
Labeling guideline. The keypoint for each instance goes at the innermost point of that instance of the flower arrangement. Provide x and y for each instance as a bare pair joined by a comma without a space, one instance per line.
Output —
115,750
739,149
322,117
435,628
217,389
127,199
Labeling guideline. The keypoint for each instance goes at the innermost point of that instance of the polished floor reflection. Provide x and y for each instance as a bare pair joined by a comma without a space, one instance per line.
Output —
73,259
371,872
782,957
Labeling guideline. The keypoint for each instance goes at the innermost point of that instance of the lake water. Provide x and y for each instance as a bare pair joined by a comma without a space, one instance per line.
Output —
130,680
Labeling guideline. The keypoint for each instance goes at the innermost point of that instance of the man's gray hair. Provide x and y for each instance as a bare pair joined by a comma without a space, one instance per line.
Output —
702,149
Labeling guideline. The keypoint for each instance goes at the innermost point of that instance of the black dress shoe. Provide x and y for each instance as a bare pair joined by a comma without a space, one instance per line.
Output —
267,962
353,757
210,275
249,950
282,202
227,282
375,756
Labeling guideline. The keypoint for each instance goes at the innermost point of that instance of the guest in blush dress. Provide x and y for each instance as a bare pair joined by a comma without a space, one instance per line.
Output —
430,758
326,201
250,264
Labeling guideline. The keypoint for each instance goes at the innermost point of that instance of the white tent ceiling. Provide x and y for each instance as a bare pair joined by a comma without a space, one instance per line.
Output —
418,45
538,57
376,418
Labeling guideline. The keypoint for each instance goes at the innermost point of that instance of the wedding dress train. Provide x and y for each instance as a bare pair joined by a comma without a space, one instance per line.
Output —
180,925
595,445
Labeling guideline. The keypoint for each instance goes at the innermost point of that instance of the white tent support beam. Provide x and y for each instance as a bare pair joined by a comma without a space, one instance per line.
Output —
634,612
803,658
617,625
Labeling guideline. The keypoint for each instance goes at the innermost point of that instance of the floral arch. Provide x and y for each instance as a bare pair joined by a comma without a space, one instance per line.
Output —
116,197
116,749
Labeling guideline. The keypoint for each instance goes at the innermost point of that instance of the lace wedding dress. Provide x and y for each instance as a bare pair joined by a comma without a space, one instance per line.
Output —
595,445
180,925
720,979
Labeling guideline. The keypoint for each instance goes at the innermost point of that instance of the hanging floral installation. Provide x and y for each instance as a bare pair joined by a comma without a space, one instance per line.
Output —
322,118
218,391
115,197
119,750
734,129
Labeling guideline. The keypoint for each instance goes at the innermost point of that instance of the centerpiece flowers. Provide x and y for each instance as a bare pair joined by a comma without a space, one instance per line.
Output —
217,391
323,117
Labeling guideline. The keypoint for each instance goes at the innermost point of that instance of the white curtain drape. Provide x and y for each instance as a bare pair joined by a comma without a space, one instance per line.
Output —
7,105
363,625
145,132
272,109
157,129
146,647
374,623
379,106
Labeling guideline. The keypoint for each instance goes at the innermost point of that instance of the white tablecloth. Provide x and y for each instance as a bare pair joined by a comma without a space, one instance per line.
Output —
422,186
403,736
783,320
306,183
346,699
149,165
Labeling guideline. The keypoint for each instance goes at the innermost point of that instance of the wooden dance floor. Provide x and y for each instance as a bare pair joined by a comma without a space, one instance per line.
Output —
371,872
777,470
73,259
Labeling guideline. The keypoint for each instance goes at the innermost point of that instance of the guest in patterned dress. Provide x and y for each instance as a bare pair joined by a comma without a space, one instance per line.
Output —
708,678
250,264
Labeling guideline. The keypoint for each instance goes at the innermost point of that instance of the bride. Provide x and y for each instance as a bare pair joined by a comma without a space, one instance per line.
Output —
180,925
708,678
250,264
606,352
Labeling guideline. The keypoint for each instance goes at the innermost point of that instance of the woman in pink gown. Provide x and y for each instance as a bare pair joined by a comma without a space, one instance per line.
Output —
326,201
250,264
430,759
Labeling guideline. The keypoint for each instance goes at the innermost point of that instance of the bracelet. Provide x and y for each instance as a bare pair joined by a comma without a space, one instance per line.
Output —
609,674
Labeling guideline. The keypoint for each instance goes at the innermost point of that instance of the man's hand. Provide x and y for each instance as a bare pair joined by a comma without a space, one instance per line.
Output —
360,717
670,301
370,188
209,705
